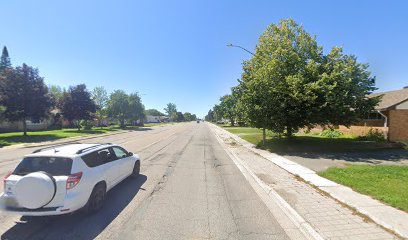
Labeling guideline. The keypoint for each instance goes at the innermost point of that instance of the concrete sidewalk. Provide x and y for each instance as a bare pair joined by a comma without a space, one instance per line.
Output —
333,211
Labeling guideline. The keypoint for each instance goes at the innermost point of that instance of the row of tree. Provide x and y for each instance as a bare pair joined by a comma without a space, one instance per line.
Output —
174,115
289,84
24,96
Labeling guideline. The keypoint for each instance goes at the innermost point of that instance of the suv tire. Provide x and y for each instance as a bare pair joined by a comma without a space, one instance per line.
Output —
97,198
136,170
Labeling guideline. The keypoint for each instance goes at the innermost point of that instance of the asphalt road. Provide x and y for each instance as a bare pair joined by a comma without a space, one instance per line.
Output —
188,189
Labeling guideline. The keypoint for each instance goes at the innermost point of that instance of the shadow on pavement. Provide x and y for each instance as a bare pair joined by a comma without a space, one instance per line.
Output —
78,225
141,129
372,157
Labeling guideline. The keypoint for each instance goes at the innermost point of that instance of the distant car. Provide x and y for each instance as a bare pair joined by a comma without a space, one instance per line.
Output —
198,121
64,179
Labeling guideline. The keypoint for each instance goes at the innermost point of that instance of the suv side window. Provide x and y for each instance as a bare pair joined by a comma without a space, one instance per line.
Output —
98,158
120,152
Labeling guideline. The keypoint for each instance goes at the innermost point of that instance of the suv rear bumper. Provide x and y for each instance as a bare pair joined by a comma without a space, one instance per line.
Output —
47,211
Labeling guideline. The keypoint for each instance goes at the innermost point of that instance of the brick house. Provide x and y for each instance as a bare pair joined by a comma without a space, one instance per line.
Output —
390,116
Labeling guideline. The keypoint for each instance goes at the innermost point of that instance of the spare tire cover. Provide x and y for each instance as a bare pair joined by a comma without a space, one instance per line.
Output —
35,190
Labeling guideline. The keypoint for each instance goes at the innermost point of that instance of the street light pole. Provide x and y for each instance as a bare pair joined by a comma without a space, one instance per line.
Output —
237,46
246,50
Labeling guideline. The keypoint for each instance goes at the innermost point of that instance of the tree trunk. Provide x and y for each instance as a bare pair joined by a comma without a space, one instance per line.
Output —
263,136
25,126
232,122
122,123
289,132
79,125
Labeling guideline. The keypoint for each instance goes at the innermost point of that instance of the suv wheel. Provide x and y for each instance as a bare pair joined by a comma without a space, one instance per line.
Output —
136,170
97,198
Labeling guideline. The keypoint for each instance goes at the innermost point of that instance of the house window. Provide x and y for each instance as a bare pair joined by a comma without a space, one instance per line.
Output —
374,116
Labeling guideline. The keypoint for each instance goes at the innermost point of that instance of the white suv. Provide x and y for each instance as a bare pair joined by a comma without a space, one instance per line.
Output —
65,178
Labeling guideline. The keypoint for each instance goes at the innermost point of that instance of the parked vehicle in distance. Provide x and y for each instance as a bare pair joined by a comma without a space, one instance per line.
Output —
65,178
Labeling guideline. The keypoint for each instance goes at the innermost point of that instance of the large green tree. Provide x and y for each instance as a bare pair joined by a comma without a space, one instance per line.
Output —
77,105
218,113
137,109
189,117
171,110
179,117
4,59
154,112
5,63
57,94
125,108
228,105
344,86
210,116
24,95
289,83
100,97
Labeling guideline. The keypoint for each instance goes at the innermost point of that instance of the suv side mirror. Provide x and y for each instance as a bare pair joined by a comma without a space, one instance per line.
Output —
130,154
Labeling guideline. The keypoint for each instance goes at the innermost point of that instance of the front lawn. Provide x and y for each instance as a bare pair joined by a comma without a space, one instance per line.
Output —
7,139
315,144
310,143
243,130
388,184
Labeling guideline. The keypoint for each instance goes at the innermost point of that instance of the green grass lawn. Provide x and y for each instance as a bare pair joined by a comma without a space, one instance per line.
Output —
315,144
243,130
158,124
310,143
7,139
388,184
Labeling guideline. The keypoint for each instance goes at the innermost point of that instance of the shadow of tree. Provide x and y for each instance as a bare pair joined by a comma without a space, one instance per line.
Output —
5,141
346,149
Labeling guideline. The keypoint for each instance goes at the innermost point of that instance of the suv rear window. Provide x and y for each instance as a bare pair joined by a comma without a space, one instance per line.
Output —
56,166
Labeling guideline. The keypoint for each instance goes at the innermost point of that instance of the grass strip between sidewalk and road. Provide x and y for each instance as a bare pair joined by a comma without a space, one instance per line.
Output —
388,184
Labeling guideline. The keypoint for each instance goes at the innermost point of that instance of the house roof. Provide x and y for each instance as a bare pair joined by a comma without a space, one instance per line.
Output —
391,98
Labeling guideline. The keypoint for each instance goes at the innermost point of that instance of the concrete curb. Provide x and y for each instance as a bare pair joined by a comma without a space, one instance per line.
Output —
306,229
383,215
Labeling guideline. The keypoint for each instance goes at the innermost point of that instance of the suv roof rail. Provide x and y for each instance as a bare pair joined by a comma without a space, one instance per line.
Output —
54,146
91,147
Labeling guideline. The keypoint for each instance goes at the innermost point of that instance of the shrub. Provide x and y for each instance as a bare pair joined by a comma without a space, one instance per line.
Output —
87,125
331,133
374,135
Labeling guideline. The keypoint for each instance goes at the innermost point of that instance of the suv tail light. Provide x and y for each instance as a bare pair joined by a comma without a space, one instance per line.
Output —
73,180
5,178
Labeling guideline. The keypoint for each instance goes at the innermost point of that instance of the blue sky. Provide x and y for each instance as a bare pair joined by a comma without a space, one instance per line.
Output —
175,51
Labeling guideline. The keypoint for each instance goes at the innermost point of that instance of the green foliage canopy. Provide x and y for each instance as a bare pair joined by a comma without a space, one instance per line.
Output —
125,107
24,95
77,104
289,83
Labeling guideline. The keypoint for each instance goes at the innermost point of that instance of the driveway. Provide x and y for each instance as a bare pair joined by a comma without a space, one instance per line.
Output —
322,161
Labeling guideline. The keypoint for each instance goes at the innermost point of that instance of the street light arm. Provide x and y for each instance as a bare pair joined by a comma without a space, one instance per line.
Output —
246,50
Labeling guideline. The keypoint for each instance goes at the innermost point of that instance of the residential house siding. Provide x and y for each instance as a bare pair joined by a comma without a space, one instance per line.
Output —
398,125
